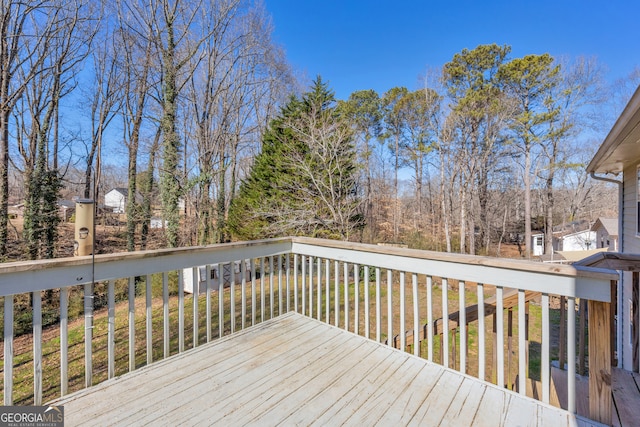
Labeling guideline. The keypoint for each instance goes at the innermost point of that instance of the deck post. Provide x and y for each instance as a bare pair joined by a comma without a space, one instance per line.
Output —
599,362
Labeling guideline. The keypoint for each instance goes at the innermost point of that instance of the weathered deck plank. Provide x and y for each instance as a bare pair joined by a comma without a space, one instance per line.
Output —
294,370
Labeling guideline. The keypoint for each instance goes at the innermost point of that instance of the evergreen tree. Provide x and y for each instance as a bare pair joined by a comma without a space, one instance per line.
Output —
304,180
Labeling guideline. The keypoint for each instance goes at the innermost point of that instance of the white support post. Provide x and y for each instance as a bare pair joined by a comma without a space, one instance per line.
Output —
356,297
500,334
8,350
390,308
243,281
220,300
462,308
208,300
165,314
481,335
37,348
522,349
429,318
367,320
571,354
111,329
64,341
132,323
416,316
327,280
346,295
88,334
336,293
254,300
403,329
444,345
378,306
149,321
545,365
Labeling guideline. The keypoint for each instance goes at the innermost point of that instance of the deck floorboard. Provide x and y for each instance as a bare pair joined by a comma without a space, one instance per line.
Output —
293,370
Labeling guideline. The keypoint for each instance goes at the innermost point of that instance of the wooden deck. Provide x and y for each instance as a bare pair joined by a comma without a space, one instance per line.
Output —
293,370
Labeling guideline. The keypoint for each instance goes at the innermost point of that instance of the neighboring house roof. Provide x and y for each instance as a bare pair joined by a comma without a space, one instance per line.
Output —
120,190
610,225
571,228
69,204
619,149
574,256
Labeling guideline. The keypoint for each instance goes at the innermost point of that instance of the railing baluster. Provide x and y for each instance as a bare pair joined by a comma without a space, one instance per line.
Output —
416,315
295,282
429,318
544,365
288,280
403,330
444,344
165,314
346,295
356,297
207,271
111,329
319,286
195,279
571,354
378,306
271,290
243,280
262,295
252,264
64,341
149,323
481,336
327,279
303,261
390,308
500,334
336,293
280,285
220,300
310,260
37,347
8,350
88,334
367,326
462,307
132,323
522,357
232,295
180,312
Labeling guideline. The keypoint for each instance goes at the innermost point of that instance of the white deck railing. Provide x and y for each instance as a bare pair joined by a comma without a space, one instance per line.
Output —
433,304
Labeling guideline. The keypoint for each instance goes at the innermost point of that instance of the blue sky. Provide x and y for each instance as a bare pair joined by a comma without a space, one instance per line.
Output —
358,45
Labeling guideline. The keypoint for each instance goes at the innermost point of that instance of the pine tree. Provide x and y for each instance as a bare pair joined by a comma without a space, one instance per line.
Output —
304,180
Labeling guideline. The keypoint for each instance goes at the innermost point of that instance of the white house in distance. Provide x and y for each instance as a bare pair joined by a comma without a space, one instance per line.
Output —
537,240
618,161
576,236
116,200
606,230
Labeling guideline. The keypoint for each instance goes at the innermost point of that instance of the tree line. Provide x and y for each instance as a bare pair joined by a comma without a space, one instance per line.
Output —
199,104
493,148
181,89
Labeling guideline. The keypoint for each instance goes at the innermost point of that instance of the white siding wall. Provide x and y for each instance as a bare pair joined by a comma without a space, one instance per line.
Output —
629,207
630,244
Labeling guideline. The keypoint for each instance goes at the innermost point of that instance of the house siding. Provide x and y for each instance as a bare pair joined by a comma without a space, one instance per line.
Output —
630,242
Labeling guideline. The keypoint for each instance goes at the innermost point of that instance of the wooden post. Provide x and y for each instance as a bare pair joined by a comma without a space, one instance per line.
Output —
599,362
